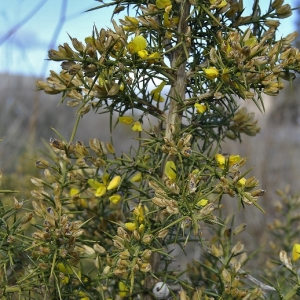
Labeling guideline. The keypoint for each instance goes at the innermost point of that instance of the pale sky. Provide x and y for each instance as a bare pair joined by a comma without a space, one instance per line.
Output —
25,50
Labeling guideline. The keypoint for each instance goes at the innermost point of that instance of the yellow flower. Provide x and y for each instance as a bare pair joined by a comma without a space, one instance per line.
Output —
169,35
130,226
143,54
90,40
101,191
133,21
141,229
163,3
153,57
296,252
98,186
242,181
83,295
126,120
233,159
115,198
94,184
170,170
251,42
221,4
139,213
123,290
156,92
220,160
225,74
137,177
137,44
74,191
137,126
202,202
211,73
114,183
167,22
201,108
64,268
65,280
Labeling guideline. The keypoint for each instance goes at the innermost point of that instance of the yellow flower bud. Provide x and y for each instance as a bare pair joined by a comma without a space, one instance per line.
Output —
156,92
64,268
211,73
137,177
296,252
114,183
130,226
242,181
220,160
123,290
143,54
201,108
170,170
202,202
101,191
137,126
115,198
162,3
133,21
126,120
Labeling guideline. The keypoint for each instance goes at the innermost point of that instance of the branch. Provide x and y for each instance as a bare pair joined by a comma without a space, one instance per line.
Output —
178,88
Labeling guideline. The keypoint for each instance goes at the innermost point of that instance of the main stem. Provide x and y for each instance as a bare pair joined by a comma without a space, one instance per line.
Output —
178,61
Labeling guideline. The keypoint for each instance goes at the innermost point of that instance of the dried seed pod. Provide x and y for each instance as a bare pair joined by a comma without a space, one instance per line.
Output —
145,267
99,249
162,233
118,244
88,250
26,218
106,270
122,233
146,255
110,148
147,238
18,205
237,248
124,254
42,164
78,233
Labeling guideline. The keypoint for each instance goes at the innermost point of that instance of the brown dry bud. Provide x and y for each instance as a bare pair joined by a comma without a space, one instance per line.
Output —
272,23
26,218
118,244
124,254
284,11
237,248
99,249
145,267
162,233
77,45
42,164
17,205
147,238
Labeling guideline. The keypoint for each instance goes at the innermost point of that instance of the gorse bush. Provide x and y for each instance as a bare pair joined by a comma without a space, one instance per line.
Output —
101,224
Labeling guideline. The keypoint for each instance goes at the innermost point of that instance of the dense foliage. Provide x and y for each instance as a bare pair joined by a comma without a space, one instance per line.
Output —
101,224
